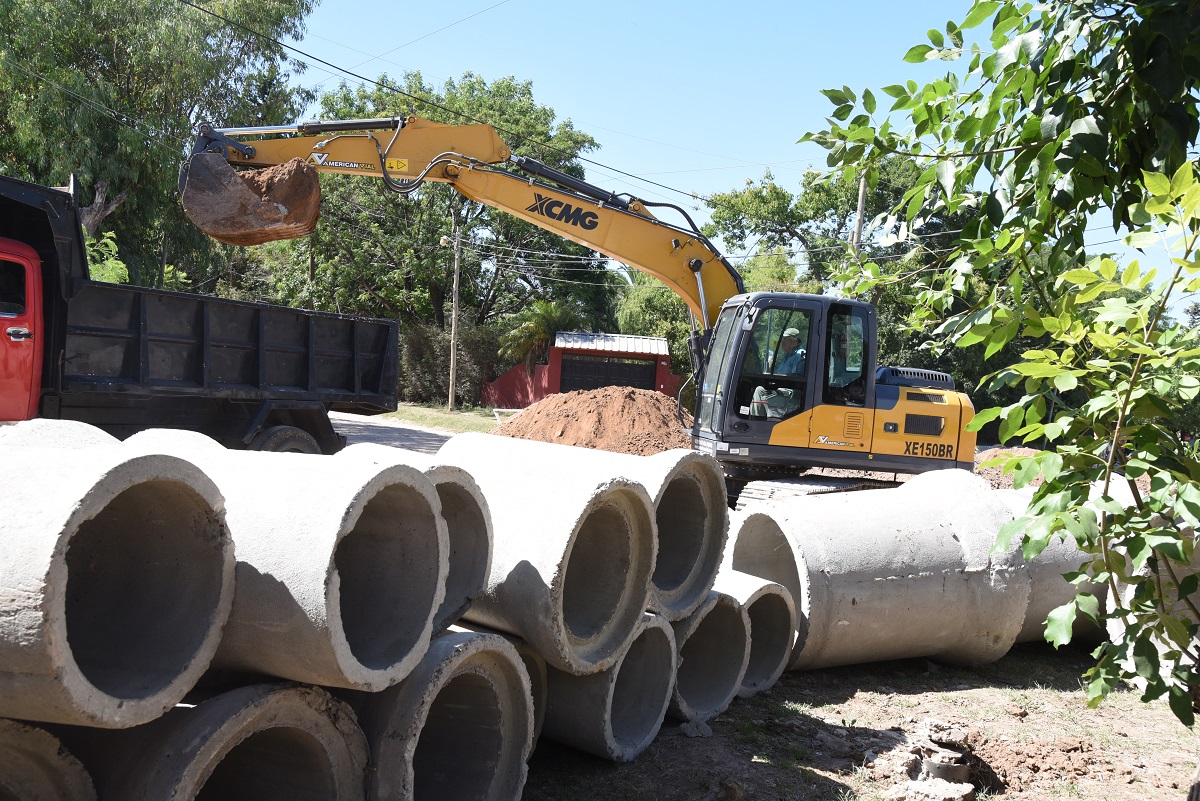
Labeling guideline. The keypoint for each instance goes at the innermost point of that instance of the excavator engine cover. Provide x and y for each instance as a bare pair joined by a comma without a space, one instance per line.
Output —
254,206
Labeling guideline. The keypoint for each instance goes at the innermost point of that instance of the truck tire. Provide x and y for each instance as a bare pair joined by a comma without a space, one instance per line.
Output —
284,439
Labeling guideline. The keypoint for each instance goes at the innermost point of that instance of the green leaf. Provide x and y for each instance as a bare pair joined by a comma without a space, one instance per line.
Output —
1142,239
979,12
1065,382
917,54
1059,624
1181,704
868,101
936,37
983,418
1156,183
1182,180
1145,658
895,90
1131,276
1080,277
836,96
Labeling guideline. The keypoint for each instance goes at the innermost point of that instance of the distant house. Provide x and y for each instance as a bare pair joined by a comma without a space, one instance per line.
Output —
586,361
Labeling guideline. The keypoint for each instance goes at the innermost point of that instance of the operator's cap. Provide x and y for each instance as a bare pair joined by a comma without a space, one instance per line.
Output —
794,333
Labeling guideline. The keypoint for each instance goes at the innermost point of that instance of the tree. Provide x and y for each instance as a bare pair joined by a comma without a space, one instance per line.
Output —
111,89
821,218
530,339
392,263
1067,109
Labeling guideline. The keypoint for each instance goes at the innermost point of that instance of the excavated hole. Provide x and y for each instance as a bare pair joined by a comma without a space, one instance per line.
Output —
643,688
469,546
461,742
764,551
143,585
711,658
682,524
388,568
770,638
597,572
279,764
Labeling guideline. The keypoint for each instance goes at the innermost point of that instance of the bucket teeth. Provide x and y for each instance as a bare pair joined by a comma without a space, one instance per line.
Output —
252,207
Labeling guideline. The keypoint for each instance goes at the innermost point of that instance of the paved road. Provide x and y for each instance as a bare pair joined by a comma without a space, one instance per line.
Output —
363,428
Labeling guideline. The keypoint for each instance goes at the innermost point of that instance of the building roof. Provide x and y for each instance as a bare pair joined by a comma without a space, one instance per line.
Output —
611,343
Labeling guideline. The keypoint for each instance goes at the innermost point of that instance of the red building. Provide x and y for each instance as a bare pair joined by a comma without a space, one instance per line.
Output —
586,361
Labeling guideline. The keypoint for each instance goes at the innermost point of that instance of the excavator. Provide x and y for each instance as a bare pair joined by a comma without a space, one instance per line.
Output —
784,381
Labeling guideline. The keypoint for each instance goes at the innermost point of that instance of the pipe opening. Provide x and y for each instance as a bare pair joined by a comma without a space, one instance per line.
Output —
642,689
770,639
597,572
461,743
278,764
763,550
469,546
682,522
387,568
144,579
5,795
711,659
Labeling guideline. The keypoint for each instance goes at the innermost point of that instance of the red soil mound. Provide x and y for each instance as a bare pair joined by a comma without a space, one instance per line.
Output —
621,419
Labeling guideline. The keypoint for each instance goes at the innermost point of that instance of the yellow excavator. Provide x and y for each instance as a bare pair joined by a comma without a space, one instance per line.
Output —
785,381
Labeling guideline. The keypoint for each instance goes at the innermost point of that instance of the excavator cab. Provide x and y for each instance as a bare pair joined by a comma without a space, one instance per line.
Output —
791,382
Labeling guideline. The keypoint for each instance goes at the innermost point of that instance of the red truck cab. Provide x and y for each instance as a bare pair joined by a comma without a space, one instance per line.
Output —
20,330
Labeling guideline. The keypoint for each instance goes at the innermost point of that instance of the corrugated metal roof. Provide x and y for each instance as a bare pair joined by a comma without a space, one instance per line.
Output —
611,343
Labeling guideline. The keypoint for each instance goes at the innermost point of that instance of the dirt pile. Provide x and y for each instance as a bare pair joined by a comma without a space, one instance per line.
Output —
622,419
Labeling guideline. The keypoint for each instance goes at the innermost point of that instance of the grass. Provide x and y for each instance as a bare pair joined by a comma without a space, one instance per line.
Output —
477,419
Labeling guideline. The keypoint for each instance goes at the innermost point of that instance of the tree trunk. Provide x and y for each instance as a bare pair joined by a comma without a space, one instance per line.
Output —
91,216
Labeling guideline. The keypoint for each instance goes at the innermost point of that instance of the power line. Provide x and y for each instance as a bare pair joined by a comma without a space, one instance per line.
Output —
429,103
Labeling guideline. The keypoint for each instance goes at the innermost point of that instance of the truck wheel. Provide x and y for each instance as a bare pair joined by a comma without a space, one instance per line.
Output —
284,439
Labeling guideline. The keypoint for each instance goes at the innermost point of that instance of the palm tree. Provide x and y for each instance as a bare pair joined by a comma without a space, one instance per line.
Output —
530,340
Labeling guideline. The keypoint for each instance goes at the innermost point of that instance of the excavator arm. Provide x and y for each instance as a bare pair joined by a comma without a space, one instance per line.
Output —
283,201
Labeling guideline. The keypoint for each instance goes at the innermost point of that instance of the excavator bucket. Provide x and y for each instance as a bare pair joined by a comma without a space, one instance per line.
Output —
250,207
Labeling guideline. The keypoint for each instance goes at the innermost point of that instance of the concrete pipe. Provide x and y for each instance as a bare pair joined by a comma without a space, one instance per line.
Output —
714,650
263,742
688,492
572,554
772,616
898,573
34,766
535,666
459,727
616,714
340,564
116,578
468,524
44,433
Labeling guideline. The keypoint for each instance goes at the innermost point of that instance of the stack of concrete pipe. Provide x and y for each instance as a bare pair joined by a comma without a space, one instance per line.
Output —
264,625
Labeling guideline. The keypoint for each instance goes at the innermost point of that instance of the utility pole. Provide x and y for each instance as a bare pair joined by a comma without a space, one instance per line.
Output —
454,314
856,240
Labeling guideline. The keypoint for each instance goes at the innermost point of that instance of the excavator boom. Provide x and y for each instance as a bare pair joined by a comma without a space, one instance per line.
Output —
283,200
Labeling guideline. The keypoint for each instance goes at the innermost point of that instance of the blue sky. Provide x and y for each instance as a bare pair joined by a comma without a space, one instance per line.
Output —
699,96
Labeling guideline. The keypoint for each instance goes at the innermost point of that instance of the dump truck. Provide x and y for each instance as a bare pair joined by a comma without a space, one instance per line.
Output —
126,358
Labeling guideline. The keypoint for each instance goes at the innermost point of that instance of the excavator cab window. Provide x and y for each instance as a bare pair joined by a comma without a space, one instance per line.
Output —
845,381
773,380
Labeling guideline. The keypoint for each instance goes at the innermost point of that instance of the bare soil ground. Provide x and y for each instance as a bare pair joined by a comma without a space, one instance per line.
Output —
850,732
857,732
